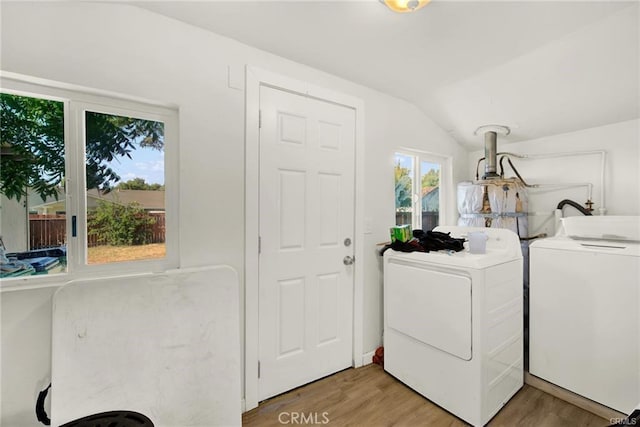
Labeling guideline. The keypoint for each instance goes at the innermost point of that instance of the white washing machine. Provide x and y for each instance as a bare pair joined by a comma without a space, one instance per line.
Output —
584,305
453,324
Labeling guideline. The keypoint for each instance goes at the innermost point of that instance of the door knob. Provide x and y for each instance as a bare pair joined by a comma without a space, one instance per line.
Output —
348,260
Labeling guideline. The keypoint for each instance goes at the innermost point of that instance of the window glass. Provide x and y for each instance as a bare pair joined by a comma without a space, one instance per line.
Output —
404,173
33,231
418,181
125,193
430,194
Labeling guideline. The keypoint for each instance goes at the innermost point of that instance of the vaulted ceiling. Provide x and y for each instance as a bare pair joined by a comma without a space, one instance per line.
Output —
541,67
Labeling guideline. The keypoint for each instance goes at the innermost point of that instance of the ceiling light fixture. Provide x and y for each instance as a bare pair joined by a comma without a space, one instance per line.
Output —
404,6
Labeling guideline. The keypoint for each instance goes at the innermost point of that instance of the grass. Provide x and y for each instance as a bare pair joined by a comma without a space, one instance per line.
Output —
108,254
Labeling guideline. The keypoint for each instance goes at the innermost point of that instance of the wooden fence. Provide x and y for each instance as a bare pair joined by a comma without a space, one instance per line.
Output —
429,219
159,228
46,231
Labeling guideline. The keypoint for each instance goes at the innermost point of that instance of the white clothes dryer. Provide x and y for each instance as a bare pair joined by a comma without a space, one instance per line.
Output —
453,323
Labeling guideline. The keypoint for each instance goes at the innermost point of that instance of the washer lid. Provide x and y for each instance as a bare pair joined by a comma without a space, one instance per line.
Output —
610,227
564,243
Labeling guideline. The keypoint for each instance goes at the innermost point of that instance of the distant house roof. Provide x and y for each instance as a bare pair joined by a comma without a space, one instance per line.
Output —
50,204
431,199
427,190
34,197
150,200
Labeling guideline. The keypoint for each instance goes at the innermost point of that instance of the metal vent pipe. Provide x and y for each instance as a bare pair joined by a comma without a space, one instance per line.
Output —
490,155
491,148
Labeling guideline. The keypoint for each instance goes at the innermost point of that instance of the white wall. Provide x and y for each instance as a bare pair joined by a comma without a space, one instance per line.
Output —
131,51
391,125
14,217
621,141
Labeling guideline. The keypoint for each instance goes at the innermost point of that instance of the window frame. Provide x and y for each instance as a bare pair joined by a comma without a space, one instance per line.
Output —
446,179
76,101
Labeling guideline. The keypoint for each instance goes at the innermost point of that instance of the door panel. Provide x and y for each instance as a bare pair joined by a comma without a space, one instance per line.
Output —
329,135
290,316
307,153
328,287
328,193
292,209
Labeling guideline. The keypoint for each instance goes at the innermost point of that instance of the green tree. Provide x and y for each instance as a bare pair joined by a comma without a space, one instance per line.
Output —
111,136
116,224
431,178
139,184
32,144
403,186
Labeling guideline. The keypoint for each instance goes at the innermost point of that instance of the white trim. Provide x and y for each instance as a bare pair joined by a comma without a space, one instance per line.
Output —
449,198
255,77
360,230
46,85
169,119
367,358
251,261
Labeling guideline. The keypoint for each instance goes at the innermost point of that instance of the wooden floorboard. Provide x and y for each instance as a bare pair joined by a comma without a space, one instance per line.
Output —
369,396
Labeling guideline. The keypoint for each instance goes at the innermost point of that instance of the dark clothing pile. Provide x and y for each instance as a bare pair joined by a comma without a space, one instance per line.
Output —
426,242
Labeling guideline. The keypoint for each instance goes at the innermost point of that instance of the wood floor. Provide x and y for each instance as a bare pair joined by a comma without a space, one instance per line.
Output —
369,396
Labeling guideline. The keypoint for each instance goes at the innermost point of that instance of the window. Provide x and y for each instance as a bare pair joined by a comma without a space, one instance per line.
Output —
84,183
418,200
32,173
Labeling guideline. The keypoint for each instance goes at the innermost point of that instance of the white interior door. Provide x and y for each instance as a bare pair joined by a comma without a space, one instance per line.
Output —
307,153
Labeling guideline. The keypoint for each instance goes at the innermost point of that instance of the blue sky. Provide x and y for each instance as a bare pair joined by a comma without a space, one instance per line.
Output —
145,163
405,161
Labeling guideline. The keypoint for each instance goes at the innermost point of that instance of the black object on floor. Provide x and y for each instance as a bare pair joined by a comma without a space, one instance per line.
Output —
112,419
41,414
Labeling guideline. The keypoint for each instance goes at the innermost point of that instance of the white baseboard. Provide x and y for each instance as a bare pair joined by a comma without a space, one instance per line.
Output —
243,406
366,358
